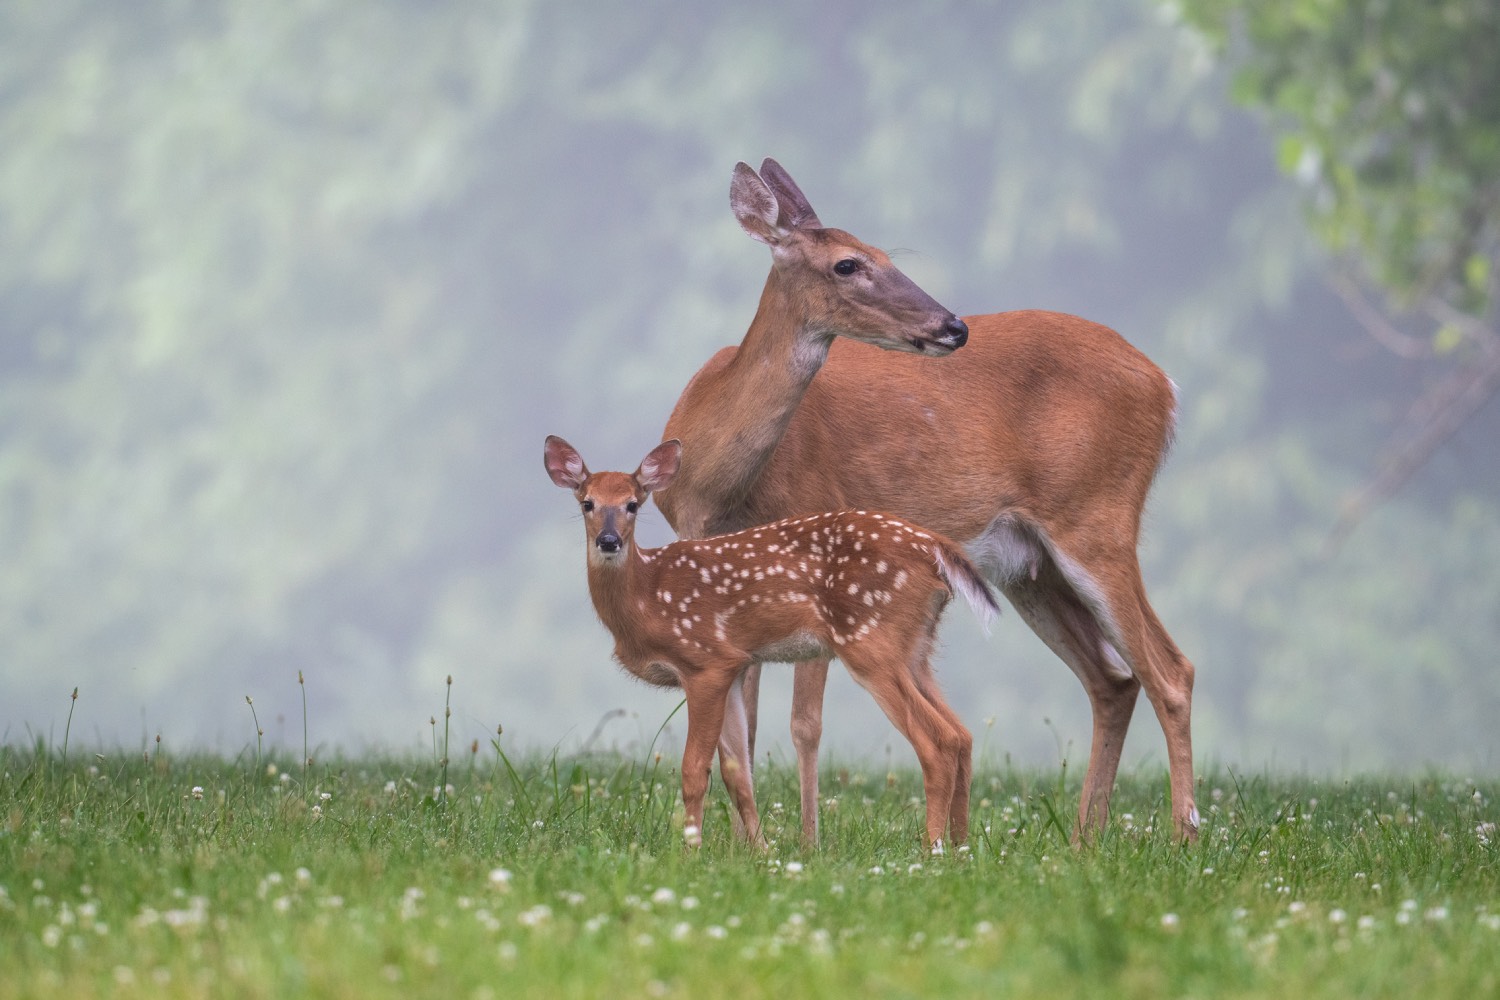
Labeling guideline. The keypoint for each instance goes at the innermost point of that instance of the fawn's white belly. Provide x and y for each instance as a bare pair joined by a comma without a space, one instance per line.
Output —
802,645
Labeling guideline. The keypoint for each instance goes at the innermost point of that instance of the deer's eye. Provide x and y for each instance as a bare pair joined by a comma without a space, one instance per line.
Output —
846,267
632,507
587,505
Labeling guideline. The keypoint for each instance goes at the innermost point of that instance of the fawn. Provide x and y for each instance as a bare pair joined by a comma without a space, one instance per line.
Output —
863,587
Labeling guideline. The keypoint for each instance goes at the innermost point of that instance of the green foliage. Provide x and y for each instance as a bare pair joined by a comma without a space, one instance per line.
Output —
1390,113
206,876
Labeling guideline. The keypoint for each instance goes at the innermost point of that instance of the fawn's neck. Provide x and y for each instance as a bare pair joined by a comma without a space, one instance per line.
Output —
619,589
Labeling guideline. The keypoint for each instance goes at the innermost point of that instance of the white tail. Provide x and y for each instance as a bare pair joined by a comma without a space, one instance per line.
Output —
1032,438
863,587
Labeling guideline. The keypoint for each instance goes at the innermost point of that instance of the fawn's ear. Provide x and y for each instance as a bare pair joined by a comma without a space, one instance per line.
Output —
564,464
658,468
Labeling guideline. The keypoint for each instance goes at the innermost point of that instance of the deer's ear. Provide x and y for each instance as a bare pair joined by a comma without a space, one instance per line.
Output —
658,467
755,206
564,464
794,210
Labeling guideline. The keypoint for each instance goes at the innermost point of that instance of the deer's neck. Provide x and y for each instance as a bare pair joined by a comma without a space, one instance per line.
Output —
731,419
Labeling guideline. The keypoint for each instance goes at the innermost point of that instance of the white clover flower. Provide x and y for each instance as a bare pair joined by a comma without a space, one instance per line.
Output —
500,878
794,867
1170,921
663,896
716,932
1337,916
536,916
198,792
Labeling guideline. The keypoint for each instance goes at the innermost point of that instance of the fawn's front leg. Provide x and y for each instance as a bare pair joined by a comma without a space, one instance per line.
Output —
707,691
734,766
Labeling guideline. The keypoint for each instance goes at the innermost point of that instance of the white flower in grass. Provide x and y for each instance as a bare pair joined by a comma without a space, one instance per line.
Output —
716,932
1170,921
663,896
500,878
1337,916
1436,914
536,916
1365,923
682,931
794,867
198,792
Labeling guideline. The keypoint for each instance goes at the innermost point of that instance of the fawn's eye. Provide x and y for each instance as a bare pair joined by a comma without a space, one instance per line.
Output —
846,267
632,507
587,505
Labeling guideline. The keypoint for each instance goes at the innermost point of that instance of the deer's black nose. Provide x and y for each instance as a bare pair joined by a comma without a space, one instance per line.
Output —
608,541
955,333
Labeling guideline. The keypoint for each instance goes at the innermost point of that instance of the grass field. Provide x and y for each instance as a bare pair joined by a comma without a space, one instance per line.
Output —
148,874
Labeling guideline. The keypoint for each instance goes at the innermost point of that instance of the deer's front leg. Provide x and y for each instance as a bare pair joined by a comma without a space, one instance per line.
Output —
706,693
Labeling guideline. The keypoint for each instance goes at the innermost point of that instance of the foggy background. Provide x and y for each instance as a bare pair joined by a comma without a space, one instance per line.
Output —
290,296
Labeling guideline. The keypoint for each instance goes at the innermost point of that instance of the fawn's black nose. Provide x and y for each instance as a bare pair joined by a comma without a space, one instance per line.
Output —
608,541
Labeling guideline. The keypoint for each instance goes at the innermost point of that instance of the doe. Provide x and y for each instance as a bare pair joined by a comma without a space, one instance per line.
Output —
863,587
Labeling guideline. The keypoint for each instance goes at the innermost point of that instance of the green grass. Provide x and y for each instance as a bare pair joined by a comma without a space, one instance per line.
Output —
556,877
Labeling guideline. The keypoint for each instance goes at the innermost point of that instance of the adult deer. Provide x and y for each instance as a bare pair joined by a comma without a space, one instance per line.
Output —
861,586
1034,446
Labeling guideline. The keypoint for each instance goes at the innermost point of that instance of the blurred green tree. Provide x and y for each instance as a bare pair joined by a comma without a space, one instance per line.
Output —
1388,114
